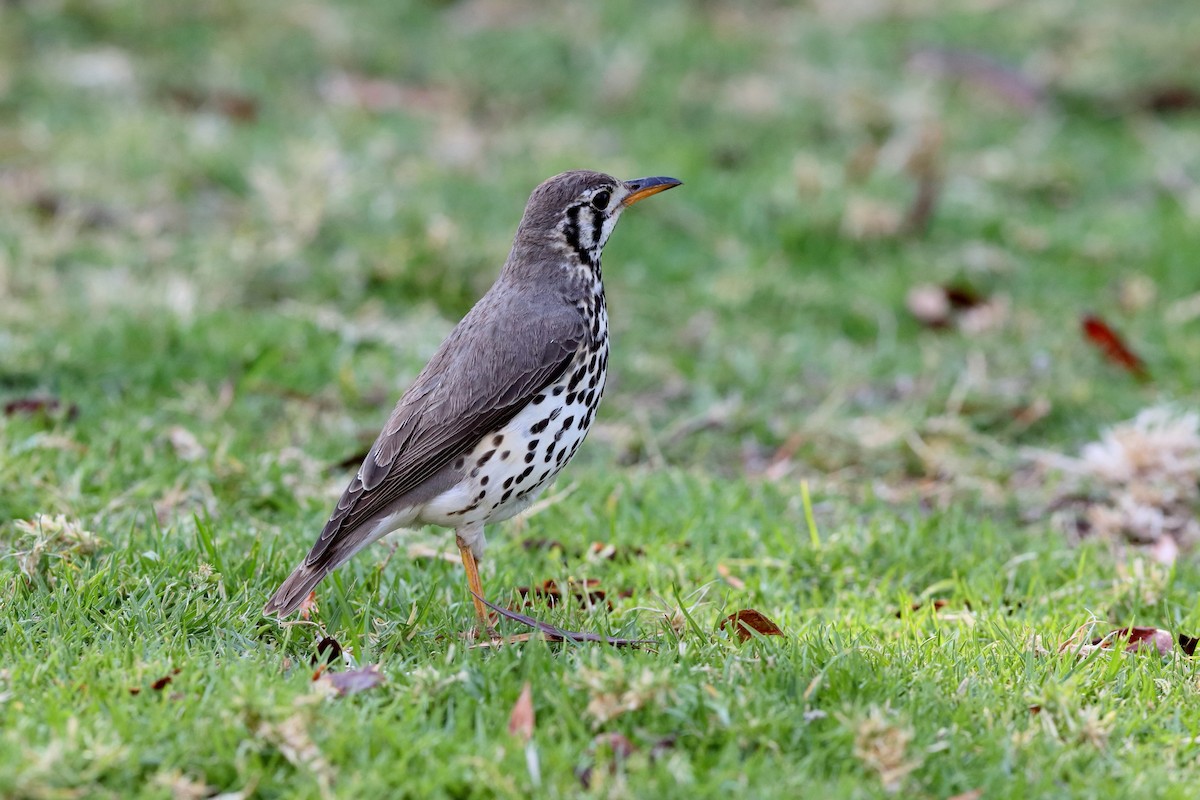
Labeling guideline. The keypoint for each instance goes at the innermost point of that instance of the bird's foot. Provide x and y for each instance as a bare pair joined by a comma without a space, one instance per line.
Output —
556,634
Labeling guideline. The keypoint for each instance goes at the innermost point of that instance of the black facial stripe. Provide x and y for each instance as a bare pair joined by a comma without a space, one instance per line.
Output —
571,229
571,233
597,226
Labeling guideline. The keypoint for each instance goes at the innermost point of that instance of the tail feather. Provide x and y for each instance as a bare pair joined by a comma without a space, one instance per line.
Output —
294,590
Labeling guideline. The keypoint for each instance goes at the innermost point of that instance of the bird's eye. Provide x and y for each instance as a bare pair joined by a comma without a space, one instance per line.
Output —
600,200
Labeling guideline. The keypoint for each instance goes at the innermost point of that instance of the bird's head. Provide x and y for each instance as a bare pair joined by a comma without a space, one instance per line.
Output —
579,209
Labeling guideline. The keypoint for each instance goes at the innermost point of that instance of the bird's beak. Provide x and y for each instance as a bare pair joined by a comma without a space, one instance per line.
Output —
642,188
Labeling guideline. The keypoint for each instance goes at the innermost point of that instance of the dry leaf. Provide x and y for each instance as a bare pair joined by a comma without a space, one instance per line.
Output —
521,720
1110,343
351,681
48,406
1138,638
748,620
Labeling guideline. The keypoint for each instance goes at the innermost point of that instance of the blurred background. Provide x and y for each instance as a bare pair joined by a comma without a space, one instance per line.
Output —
232,232
925,252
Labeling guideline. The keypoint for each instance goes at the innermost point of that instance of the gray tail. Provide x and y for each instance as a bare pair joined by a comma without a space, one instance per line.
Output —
294,590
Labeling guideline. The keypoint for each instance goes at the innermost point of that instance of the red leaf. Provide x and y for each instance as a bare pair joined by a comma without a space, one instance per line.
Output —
521,720
1113,346
1139,638
748,620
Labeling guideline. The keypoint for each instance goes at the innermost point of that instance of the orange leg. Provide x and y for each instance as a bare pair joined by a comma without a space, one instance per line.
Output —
468,559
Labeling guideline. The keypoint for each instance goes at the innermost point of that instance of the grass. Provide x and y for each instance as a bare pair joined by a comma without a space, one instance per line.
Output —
229,267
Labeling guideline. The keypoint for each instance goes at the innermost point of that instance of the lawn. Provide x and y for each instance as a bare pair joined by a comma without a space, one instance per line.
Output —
848,374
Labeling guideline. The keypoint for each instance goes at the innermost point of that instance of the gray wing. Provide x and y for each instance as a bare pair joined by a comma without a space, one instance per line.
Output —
479,379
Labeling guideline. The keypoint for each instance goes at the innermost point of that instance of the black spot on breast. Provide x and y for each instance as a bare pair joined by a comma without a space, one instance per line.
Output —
505,496
537,398
484,480
481,495
554,414
498,439
533,443
528,457
525,474
475,472
589,399
544,474
460,462
509,480
576,377
504,456
570,398
538,427
568,422
557,390
486,457
562,454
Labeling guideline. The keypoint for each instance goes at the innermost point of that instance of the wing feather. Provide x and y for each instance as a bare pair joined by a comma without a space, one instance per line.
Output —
479,379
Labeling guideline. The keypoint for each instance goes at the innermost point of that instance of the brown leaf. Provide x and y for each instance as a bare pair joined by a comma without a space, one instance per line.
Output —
48,406
352,681
328,651
1188,644
1105,339
521,720
161,683
749,620
1139,638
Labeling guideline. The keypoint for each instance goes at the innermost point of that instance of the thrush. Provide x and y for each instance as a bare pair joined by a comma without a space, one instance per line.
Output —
505,401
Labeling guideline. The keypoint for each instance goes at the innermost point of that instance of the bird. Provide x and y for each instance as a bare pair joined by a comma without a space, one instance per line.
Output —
504,402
